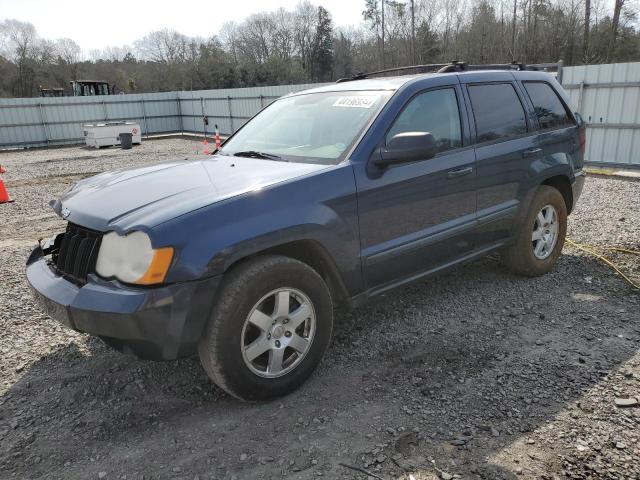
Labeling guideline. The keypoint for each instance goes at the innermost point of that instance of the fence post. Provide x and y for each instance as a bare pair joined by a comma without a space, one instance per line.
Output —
144,118
104,108
580,94
560,66
261,101
204,126
179,105
43,120
230,114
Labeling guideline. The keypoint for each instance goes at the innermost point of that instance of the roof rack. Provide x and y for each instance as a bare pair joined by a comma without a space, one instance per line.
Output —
456,66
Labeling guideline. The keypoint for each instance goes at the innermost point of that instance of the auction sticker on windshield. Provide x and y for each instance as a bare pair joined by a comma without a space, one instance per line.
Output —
357,101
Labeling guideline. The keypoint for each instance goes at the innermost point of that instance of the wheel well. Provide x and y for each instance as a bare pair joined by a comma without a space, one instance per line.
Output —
562,184
313,254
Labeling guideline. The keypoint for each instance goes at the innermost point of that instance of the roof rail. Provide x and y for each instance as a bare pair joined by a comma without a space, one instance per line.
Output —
455,66
362,75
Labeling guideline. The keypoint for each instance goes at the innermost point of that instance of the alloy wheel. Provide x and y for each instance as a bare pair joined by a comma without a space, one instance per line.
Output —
545,232
278,332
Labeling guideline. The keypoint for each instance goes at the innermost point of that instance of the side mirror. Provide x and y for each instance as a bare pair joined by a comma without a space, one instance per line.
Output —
407,147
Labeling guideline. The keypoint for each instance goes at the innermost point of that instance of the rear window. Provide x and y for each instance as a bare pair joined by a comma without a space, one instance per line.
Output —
497,111
549,109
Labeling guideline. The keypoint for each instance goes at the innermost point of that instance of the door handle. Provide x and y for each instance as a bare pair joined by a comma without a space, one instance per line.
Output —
531,152
459,172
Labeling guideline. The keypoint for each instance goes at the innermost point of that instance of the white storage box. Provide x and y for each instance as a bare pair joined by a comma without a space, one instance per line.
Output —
108,133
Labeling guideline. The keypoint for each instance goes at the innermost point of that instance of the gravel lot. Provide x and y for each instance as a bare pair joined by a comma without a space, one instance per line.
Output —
472,374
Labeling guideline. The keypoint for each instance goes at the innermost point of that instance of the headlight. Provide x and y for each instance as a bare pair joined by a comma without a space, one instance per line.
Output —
131,259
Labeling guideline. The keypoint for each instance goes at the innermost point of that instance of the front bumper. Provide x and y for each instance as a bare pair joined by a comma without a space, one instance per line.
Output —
162,323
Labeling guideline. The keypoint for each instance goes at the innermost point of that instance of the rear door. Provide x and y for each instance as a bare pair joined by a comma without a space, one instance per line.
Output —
558,132
505,148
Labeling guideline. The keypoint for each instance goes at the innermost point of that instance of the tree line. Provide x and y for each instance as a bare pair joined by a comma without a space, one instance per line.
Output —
304,45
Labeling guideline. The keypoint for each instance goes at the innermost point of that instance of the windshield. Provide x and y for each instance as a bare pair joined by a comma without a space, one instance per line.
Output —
312,128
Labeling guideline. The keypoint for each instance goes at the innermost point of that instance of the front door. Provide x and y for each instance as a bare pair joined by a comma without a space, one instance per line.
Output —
416,217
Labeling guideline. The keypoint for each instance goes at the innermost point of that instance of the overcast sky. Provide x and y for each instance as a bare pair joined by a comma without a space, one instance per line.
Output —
97,24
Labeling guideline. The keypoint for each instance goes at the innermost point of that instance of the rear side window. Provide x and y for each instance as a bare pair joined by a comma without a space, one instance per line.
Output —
497,111
436,112
549,108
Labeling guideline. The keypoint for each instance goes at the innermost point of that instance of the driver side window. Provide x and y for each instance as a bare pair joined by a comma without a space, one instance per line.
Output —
436,112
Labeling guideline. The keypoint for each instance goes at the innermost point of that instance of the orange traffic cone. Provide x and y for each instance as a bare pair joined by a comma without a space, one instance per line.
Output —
217,138
4,195
205,145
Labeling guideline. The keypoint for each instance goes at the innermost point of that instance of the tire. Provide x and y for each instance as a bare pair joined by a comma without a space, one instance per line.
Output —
525,257
263,289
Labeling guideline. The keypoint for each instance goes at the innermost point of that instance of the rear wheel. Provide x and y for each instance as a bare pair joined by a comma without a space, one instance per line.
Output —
540,237
269,328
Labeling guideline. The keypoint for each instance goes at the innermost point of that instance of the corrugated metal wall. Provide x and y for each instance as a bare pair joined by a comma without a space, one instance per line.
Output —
229,108
608,98
53,121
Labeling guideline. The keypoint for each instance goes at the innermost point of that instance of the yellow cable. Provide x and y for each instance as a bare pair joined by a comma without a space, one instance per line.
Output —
624,250
605,259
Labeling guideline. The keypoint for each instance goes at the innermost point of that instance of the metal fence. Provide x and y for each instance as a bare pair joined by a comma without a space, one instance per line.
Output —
32,122
607,97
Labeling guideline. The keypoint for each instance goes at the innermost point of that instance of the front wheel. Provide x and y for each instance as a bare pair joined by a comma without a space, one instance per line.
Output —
540,237
269,328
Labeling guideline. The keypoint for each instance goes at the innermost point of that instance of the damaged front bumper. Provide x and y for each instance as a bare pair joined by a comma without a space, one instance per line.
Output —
159,323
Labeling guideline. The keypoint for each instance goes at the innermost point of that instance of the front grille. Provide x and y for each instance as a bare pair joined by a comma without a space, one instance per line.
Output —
76,257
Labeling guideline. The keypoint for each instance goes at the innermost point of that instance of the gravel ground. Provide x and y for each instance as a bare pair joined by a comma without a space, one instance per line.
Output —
475,373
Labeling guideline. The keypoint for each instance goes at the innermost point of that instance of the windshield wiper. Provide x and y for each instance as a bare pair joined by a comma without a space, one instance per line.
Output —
255,154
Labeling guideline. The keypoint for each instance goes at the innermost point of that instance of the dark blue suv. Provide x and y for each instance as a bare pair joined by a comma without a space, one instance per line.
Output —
327,196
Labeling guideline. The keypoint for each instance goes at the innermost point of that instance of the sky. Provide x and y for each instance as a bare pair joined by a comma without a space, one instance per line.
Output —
98,24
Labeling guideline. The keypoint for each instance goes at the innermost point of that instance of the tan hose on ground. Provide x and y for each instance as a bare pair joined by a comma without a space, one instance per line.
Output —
590,249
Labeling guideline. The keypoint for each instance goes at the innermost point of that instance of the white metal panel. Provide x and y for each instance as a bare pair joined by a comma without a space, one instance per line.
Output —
609,101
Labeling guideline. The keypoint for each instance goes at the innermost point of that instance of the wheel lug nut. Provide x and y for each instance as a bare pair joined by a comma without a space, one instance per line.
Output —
278,343
286,320
287,333
269,336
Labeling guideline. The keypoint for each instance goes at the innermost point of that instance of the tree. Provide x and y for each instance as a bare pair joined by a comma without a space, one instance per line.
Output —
163,46
587,24
302,45
19,43
373,16
305,30
69,55
323,46
615,23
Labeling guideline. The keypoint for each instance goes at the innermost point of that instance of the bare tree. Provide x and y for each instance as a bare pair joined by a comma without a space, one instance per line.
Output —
19,43
615,23
69,54
229,38
112,53
306,23
163,46
299,45
587,25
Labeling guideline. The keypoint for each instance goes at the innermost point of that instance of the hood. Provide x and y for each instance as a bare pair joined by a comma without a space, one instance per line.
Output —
148,196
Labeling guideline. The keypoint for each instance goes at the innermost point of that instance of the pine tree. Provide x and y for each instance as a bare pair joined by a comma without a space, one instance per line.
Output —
324,46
